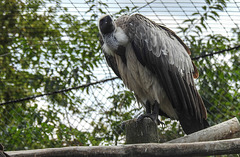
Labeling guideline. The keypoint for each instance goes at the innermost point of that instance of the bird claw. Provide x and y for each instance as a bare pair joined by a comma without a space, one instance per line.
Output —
153,117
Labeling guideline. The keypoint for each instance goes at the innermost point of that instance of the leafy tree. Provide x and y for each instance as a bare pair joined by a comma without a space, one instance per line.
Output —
42,52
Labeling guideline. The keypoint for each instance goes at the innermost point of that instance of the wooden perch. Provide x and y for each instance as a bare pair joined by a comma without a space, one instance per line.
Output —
144,131
231,146
225,130
140,130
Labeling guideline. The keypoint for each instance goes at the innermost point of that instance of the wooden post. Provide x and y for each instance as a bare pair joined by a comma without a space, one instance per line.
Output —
143,131
225,130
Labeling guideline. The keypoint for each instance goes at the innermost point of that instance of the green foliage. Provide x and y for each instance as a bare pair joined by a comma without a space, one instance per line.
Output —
170,130
119,111
200,18
42,52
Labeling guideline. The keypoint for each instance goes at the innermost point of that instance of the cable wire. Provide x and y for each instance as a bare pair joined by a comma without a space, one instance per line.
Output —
105,80
58,91
218,52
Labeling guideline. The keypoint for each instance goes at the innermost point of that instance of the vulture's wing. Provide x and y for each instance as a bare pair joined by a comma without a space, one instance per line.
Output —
111,61
166,56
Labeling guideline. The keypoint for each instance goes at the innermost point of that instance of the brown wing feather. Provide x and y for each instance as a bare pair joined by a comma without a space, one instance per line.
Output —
195,73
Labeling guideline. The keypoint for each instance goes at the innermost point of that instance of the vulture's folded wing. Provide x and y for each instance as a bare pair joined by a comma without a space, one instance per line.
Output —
166,56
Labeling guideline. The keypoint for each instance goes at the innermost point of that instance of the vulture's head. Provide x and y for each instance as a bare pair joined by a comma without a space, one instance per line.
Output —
106,24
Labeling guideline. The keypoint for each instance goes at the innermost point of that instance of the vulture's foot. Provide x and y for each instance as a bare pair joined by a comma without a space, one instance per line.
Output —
153,117
152,112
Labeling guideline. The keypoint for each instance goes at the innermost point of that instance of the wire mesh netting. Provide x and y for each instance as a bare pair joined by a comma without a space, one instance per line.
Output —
54,79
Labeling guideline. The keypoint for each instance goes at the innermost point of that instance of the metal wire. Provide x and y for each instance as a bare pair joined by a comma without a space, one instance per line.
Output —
105,80
58,91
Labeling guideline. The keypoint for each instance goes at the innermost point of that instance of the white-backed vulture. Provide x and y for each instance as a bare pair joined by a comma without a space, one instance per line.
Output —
154,62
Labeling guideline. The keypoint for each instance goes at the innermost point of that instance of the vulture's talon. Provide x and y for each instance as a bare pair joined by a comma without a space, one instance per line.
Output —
153,117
